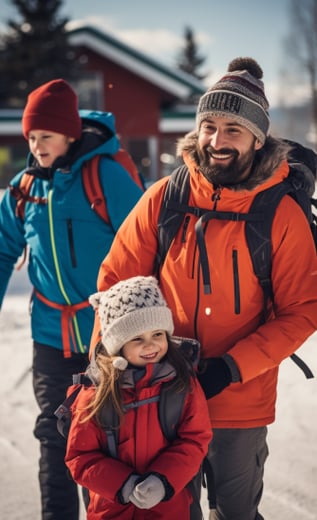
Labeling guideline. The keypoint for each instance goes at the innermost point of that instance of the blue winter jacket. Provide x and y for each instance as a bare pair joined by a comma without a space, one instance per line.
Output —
65,238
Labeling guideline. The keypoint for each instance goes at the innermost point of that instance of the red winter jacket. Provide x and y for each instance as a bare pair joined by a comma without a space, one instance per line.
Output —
213,318
142,448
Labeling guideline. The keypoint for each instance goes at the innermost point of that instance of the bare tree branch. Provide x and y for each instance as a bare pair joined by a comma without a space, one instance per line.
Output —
301,46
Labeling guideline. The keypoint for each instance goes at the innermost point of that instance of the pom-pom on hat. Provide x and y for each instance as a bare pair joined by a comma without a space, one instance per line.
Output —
53,107
238,95
129,308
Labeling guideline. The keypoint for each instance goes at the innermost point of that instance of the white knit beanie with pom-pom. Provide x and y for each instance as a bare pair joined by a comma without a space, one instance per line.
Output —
128,309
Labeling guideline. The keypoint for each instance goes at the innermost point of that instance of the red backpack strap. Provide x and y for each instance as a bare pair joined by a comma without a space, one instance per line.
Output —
22,194
126,161
91,181
92,187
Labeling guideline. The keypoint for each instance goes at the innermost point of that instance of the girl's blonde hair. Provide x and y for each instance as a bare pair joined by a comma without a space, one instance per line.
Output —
109,390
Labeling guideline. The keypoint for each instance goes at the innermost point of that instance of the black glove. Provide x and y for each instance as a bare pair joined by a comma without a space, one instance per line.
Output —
214,375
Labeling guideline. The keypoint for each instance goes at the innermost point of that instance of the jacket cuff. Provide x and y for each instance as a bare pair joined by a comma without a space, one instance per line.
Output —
235,373
119,493
169,490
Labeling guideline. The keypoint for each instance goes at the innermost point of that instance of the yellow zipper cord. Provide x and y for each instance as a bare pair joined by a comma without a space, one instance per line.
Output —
58,273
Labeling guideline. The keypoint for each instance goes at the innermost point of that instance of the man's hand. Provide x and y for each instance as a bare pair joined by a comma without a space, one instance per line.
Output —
214,375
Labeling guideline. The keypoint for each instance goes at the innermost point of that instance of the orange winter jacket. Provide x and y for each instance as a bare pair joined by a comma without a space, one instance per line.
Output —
213,319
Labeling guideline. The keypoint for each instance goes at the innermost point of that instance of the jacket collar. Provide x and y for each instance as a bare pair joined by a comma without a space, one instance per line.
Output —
151,374
267,162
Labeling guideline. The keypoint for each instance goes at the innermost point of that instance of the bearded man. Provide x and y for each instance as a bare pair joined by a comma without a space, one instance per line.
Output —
216,297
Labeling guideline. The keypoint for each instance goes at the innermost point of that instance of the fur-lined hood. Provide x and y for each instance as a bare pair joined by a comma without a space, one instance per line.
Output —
267,159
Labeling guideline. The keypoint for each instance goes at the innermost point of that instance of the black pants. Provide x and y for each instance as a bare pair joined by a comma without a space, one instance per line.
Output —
52,375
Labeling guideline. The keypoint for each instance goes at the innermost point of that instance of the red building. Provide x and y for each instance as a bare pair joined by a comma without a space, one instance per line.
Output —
152,104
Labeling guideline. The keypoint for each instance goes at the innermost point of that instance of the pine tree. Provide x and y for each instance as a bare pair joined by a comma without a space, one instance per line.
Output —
33,51
189,60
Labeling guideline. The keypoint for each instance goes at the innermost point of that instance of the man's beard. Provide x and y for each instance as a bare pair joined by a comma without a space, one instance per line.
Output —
234,172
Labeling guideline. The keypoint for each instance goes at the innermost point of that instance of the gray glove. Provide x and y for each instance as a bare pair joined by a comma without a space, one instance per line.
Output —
148,493
128,487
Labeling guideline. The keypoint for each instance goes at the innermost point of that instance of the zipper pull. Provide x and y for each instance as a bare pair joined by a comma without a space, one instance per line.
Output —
215,197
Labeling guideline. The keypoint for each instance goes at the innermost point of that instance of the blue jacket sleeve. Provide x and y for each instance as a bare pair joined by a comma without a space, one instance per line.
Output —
12,240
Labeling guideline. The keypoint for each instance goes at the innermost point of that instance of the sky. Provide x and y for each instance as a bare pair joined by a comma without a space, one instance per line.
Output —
223,30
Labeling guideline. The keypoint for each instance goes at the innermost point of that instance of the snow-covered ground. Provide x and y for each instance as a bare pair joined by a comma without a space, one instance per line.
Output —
291,470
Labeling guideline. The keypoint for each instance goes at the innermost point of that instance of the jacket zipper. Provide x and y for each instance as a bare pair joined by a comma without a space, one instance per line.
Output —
71,242
236,284
235,264
183,241
82,347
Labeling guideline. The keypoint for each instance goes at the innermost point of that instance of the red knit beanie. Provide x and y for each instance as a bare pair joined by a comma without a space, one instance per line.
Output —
54,107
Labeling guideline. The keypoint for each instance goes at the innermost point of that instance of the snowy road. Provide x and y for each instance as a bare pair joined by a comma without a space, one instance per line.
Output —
291,470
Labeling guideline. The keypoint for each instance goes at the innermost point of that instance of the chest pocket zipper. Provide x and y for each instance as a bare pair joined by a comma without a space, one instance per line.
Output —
71,242
236,282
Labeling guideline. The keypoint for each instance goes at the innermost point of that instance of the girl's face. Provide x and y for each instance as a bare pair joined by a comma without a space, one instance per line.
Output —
149,347
46,146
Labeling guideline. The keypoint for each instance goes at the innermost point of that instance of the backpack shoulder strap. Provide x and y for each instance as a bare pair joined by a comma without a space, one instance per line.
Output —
109,417
171,406
22,194
110,424
172,211
125,159
92,185
258,235
92,188
171,403
303,186
63,412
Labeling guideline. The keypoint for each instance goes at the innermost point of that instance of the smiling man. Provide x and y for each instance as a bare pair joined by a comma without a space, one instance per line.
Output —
209,283
226,151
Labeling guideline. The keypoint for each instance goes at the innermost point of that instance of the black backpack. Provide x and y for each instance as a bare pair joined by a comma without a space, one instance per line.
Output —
300,184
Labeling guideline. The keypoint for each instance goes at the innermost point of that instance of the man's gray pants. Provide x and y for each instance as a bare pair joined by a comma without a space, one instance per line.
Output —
234,470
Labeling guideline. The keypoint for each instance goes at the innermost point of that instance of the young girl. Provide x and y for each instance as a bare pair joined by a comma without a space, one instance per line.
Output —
135,357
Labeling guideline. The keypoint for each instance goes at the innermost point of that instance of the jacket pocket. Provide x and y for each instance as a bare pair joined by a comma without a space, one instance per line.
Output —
236,282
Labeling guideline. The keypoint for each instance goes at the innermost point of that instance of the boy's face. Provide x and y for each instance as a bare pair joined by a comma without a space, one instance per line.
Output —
46,146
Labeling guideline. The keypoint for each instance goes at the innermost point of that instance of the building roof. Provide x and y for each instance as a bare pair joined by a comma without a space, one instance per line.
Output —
174,81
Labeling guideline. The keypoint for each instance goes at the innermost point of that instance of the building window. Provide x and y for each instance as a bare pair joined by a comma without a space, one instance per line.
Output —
89,89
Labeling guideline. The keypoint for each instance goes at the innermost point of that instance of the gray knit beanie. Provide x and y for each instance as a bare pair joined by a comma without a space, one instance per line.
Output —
129,308
240,96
